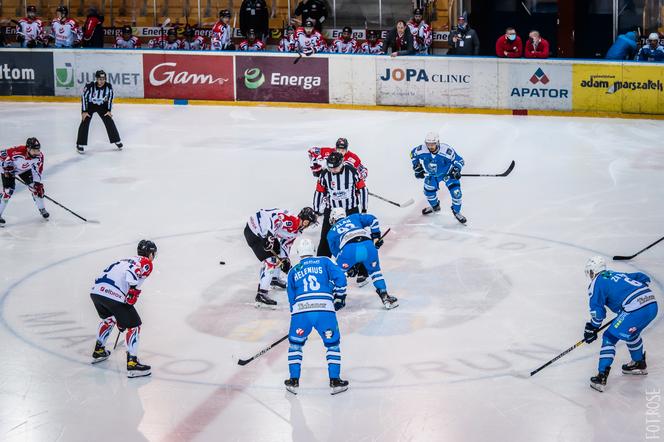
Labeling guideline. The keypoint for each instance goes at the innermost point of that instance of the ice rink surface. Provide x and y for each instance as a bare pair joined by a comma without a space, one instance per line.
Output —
481,304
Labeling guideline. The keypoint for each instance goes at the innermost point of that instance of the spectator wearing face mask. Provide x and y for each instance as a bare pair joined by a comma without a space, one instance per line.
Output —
653,51
463,40
509,45
536,46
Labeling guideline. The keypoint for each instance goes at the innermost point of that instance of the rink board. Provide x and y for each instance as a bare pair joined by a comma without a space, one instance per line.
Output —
420,82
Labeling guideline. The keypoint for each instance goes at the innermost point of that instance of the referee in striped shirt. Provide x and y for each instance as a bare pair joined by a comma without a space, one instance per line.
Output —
338,186
97,98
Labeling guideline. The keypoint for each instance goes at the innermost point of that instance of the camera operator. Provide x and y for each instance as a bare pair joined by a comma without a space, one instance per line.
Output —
463,40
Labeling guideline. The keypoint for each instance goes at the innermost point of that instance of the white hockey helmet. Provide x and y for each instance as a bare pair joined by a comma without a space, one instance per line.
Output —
432,137
337,213
595,266
305,248
653,36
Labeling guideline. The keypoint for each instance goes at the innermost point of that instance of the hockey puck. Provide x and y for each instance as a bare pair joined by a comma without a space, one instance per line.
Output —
222,263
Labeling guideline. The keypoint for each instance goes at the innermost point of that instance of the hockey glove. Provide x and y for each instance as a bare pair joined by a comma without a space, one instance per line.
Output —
590,332
339,302
285,265
39,190
378,242
455,173
132,295
419,173
9,168
352,272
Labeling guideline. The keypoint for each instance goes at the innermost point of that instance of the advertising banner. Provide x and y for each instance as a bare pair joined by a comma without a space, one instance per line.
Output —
73,69
278,79
436,81
26,73
535,85
193,77
626,87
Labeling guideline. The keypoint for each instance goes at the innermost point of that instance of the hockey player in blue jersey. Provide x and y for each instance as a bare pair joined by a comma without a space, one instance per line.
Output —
351,244
316,290
435,163
630,298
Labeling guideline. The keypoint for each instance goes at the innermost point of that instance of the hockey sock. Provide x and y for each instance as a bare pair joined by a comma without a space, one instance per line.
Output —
6,195
131,339
635,348
267,272
455,194
378,281
105,329
333,357
39,202
294,360
607,353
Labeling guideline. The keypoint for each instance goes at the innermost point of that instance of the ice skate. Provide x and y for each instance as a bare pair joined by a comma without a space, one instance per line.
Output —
389,302
135,369
100,353
278,283
292,385
599,382
459,217
429,210
338,386
119,145
362,280
2,222
263,301
80,149
44,213
639,368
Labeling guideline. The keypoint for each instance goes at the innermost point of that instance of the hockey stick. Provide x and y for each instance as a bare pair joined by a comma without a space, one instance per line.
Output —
625,258
262,352
117,338
299,56
507,172
57,203
405,204
578,344
165,23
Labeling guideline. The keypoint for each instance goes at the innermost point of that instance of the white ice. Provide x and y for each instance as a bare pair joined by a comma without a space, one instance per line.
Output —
481,305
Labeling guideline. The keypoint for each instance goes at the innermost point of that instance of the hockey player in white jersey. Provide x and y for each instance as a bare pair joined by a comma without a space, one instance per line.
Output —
373,45
114,294
288,43
270,233
345,43
126,40
309,40
30,29
64,30
222,33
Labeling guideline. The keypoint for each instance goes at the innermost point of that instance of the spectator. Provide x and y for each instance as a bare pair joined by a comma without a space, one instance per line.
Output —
421,31
30,30
345,43
288,43
64,30
126,40
653,51
536,46
309,40
222,33
373,45
400,40
312,9
252,43
463,40
509,45
93,29
623,48
254,15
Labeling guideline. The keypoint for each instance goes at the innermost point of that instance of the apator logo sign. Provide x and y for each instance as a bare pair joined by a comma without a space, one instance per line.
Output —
253,78
64,77
539,77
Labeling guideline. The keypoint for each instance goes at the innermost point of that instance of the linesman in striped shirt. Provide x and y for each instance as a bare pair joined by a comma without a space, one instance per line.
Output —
97,98
338,186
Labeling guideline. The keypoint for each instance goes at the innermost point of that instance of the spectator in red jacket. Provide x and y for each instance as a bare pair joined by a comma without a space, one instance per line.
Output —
509,45
536,46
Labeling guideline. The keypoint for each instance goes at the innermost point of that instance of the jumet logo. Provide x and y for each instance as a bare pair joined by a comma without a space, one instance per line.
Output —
253,78
64,77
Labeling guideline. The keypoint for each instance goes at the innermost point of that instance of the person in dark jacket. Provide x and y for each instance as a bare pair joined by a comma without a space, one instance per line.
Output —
623,48
400,40
463,40
314,9
254,15
93,30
